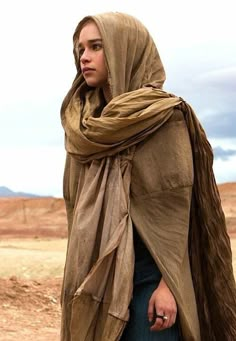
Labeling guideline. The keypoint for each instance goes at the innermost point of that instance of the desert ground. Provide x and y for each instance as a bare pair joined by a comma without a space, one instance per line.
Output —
32,252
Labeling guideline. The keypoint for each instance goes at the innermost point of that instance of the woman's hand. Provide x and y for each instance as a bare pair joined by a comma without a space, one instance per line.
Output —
162,302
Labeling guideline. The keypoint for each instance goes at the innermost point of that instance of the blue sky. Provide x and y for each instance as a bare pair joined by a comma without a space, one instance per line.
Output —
197,44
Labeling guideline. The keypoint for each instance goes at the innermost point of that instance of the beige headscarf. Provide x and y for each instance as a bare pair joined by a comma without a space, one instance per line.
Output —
99,266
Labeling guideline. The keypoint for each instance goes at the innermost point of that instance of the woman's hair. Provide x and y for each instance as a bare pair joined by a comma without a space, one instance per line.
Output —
76,34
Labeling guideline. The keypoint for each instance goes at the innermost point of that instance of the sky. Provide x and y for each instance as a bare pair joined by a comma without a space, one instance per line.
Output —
197,44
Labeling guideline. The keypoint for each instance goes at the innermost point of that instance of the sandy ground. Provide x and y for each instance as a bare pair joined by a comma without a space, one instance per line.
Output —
30,282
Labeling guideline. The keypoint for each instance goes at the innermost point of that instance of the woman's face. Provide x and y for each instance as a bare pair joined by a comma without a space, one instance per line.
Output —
92,59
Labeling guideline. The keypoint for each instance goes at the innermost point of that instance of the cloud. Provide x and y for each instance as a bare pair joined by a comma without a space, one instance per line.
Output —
219,125
222,79
213,95
223,154
33,170
28,123
225,169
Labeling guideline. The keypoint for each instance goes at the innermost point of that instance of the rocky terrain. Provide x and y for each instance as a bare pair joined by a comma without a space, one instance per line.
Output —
228,199
46,217
32,252
32,217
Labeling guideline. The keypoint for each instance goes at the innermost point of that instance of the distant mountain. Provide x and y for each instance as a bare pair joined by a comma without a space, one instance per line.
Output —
7,192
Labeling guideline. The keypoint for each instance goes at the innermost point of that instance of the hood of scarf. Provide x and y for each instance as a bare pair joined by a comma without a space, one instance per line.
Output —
131,55
132,61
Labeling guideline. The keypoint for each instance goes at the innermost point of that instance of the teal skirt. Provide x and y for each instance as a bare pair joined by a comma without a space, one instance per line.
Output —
146,279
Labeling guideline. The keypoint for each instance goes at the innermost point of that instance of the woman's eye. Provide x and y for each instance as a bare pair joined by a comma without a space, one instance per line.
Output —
80,52
97,47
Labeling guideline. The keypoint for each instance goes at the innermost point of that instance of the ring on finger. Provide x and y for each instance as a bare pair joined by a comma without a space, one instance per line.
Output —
163,317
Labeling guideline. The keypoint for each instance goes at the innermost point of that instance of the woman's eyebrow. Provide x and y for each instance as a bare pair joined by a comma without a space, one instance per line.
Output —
96,40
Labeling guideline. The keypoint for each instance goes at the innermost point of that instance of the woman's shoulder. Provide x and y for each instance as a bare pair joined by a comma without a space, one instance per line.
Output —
177,115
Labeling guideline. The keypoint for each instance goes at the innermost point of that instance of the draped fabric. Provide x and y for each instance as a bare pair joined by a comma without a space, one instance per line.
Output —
97,286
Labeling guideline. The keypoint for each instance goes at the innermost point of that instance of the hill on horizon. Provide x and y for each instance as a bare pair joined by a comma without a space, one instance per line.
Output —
46,216
7,192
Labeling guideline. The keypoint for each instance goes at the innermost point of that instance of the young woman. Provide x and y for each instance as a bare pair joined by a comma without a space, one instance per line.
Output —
148,254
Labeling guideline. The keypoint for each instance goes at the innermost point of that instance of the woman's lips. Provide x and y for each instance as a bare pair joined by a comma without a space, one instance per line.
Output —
87,69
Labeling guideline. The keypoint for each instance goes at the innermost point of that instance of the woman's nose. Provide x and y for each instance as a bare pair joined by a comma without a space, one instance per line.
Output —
85,57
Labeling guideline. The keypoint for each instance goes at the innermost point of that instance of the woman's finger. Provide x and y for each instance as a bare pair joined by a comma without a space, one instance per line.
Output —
158,322
151,309
169,319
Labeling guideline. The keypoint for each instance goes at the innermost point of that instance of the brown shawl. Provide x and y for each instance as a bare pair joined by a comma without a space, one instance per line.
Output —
102,287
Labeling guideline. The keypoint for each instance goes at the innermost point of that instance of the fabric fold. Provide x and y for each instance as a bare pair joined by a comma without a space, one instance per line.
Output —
104,285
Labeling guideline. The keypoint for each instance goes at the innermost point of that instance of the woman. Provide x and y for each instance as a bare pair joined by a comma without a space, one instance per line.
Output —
148,254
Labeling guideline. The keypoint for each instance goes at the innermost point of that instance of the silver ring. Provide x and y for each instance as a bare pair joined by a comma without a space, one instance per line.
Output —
163,317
